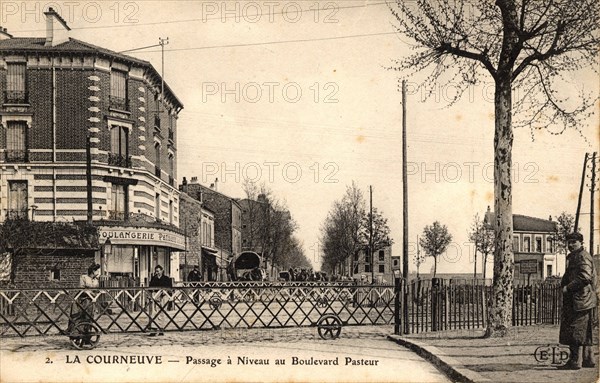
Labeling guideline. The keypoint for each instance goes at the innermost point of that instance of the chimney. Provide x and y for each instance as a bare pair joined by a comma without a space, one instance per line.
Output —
57,30
4,35
216,184
194,180
550,218
184,182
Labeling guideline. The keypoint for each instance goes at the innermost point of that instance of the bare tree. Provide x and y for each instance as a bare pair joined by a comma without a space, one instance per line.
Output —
435,240
530,45
419,257
483,237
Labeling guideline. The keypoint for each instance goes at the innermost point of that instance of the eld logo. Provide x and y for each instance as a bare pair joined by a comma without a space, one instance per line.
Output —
552,354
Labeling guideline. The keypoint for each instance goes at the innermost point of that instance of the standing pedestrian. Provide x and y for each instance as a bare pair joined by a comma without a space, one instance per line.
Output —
194,275
160,298
579,300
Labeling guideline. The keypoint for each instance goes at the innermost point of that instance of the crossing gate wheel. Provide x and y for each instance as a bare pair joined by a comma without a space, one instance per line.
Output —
329,326
215,302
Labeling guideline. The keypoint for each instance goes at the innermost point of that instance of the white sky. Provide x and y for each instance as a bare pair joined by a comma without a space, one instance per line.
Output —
350,128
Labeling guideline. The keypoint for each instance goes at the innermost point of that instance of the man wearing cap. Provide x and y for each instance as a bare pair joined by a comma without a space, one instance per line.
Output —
579,300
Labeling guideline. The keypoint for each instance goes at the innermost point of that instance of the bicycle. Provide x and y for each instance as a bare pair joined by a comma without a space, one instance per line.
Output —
82,332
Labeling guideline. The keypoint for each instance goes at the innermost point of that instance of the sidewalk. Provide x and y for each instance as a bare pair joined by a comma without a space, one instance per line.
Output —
528,354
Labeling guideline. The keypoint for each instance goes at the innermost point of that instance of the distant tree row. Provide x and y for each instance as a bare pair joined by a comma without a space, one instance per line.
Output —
346,231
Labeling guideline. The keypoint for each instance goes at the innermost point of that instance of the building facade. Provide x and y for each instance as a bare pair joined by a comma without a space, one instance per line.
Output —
61,95
380,269
534,250
227,238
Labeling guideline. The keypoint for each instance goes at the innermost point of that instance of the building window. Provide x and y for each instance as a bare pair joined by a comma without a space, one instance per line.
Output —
396,263
550,245
516,243
171,170
157,206
55,275
171,212
16,90
381,255
367,256
118,202
367,268
356,256
548,270
538,245
17,200
16,141
118,90
527,245
119,147
157,171
382,268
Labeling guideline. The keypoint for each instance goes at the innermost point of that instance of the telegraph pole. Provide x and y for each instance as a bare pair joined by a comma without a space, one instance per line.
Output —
404,212
576,226
371,234
592,203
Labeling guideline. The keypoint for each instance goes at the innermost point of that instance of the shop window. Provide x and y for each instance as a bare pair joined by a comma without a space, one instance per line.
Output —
16,141
17,200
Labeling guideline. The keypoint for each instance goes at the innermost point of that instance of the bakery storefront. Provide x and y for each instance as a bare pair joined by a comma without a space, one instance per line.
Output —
128,255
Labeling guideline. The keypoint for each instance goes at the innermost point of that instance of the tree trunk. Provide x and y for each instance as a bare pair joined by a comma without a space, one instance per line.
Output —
475,266
501,310
434,266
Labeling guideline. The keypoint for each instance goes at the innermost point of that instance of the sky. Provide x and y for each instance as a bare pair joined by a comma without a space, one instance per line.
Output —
297,94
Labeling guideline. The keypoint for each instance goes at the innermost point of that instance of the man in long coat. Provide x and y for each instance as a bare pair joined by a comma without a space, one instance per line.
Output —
579,300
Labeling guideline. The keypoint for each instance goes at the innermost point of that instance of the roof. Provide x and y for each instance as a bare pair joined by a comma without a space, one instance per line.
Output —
526,223
38,44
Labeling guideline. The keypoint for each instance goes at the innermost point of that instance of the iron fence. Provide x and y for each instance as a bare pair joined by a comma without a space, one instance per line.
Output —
135,309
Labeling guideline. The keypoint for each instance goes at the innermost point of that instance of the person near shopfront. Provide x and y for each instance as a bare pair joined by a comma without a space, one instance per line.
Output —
160,297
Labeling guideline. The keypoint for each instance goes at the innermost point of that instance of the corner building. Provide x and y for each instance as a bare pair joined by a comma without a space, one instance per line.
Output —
56,94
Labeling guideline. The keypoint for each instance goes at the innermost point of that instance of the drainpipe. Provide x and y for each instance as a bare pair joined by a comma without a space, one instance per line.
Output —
53,141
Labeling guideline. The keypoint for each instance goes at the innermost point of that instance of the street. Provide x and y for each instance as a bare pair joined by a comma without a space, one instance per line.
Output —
293,354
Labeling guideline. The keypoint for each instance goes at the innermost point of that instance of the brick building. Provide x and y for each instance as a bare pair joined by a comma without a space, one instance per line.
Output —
227,222
383,264
198,223
57,93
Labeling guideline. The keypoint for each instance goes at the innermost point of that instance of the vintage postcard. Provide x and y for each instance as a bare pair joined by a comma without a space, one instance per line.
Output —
299,191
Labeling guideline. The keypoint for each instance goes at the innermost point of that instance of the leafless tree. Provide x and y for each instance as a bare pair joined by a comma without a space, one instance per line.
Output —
529,45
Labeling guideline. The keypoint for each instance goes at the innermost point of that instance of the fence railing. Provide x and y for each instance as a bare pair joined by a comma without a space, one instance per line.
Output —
135,309
465,306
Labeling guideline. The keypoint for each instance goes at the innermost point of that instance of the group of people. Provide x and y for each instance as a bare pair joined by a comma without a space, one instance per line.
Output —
306,275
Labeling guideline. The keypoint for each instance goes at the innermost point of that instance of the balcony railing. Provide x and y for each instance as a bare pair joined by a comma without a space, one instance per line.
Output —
13,214
157,171
115,215
16,155
16,97
120,103
120,160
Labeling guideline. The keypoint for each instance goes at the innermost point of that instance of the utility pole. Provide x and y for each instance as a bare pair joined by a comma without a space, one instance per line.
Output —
592,203
371,234
404,212
576,226
162,42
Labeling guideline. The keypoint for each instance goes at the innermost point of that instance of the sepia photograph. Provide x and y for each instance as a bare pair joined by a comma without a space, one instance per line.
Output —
299,191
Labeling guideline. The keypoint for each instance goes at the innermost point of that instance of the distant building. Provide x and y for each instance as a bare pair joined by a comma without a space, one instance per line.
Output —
534,249
381,267
227,222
